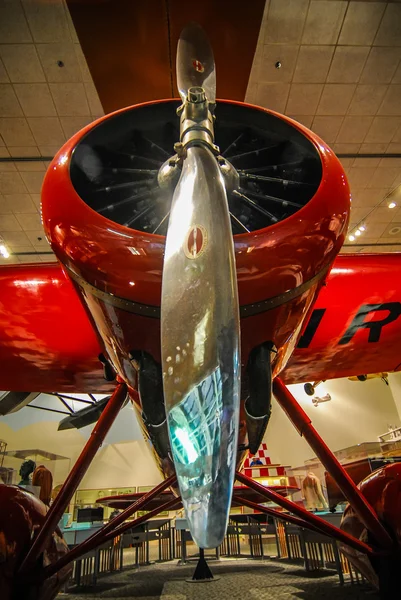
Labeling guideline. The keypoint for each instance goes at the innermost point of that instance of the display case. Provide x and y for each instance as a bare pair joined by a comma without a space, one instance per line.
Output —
359,461
88,498
391,447
298,476
358,452
58,465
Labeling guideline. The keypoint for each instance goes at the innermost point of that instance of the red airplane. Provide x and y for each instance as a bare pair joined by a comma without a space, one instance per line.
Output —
127,312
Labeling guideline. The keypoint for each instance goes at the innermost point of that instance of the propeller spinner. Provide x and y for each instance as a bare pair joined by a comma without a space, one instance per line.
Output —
199,306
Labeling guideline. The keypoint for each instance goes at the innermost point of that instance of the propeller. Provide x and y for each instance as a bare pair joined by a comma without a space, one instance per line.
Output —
199,307
195,63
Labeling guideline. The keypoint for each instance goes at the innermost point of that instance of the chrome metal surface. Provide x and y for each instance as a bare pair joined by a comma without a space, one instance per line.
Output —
200,345
169,174
195,62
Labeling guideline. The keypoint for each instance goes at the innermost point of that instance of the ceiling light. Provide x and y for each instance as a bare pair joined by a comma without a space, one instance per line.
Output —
362,228
4,252
351,238
392,205
357,232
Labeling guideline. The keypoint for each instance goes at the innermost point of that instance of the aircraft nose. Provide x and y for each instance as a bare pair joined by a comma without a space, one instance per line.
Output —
203,439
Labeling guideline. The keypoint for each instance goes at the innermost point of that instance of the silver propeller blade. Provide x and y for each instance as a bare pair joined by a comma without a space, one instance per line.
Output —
200,345
195,62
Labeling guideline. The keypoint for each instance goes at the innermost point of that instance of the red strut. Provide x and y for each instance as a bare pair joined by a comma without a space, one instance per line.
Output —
74,478
315,521
83,548
303,425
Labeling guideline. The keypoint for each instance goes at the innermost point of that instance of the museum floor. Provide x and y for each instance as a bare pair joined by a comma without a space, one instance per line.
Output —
238,580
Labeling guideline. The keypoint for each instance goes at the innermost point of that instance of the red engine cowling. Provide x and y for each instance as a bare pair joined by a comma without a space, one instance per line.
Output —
105,216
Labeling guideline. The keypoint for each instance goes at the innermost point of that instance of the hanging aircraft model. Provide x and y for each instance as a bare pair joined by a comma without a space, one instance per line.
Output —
197,243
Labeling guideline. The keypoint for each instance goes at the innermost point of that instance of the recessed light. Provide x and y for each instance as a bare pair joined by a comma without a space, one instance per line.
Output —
357,232
362,228
392,205
351,238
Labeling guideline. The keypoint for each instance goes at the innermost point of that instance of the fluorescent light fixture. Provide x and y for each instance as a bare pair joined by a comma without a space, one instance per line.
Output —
358,233
392,205
362,228
351,238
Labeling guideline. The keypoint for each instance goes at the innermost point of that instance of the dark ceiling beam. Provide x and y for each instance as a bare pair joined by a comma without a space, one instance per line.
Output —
126,45
130,46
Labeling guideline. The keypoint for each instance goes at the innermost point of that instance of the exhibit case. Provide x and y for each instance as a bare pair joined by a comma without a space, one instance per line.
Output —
58,465
359,461
88,499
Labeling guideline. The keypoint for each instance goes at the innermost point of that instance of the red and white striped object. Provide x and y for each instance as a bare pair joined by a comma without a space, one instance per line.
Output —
266,469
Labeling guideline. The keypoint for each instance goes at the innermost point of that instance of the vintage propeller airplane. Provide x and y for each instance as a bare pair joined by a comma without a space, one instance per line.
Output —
197,280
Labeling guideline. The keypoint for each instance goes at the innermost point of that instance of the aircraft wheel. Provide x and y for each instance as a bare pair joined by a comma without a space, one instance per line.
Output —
309,389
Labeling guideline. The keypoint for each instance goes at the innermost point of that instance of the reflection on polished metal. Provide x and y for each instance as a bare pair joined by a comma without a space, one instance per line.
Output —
195,62
200,346
200,319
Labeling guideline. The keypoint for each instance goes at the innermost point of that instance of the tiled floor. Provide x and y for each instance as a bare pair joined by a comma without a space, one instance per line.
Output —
237,580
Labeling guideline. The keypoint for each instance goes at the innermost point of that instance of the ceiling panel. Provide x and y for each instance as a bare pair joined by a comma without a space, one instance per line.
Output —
340,75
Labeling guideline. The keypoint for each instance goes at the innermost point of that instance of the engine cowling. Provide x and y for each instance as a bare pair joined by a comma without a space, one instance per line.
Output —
105,211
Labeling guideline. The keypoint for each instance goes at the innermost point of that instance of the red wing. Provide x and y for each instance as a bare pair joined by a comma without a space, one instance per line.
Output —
47,342
355,327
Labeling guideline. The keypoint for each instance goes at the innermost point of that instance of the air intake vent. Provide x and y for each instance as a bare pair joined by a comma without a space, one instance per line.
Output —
114,167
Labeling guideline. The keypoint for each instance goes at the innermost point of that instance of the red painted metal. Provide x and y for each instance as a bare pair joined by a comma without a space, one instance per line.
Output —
279,515
269,262
45,333
383,491
21,515
100,536
125,500
354,281
89,242
306,516
175,504
84,547
74,478
303,425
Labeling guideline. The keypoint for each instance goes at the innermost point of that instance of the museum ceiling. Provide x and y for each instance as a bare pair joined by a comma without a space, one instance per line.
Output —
333,65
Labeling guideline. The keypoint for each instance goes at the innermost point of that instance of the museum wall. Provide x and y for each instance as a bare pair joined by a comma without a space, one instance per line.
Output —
122,465
358,412
395,386
123,460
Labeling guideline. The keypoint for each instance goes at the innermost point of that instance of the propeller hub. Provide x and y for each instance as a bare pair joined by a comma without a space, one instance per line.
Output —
196,95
